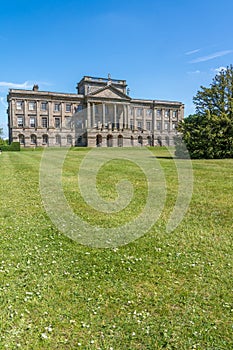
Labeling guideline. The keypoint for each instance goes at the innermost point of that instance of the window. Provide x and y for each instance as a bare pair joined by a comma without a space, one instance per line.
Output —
31,106
69,139
19,105
139,125
79,108
167,113
159,113
174,126
148,125
57,122
57,107
44,122
20,122
21,139
58,139
131,124
158,125
174,114
44,106
139,111
149,112
166,126
96,109
68,107
32,122
33,139
45,139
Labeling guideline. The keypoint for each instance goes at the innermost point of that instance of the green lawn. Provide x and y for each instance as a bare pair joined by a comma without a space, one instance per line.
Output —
161,291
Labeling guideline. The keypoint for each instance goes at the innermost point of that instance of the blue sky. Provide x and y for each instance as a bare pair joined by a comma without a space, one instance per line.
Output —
164,49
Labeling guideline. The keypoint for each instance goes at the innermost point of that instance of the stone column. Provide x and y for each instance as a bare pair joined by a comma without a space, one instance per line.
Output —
51,120
114,116
25,112
88,115
163,116
103,119
38,118
170,120
134,119
93,114
144,119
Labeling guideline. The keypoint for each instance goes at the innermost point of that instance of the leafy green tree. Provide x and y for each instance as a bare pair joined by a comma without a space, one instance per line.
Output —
209,132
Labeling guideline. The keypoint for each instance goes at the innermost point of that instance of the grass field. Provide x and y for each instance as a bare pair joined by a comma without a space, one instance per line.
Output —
161,291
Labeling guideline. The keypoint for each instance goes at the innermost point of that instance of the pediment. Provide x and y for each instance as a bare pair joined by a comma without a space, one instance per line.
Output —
109,92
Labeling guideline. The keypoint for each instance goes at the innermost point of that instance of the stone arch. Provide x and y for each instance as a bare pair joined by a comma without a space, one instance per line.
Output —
69,140
99,140
140,140
22,139
33,139
159,140
120,141
45,139
132,141
58,139
149,140
109,140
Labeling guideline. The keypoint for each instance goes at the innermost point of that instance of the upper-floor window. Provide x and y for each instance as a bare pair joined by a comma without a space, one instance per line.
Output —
167,113
44,106
149,112
131,124
159,113
148,125
19,105
57,122
20,122
68,107
44,122
32,122
174,114
139,124
166,126
31,106
139,111
158,125
174,125
57,107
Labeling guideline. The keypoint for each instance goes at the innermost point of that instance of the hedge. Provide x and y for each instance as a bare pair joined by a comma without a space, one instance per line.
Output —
14,146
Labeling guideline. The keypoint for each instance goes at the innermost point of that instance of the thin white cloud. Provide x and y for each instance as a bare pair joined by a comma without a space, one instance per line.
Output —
219,69
195,72
212,56
25,85
192,52
3,102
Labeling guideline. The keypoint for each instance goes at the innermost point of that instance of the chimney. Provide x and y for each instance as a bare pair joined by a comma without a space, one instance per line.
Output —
35,87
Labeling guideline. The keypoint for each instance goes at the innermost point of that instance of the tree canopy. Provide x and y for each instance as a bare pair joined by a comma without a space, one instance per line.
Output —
209,132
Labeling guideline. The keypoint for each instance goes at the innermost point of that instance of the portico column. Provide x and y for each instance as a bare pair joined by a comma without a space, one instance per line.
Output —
114,115
163,115
93,114
144,119
170,121
26,113
88,115
134,118
39,121
124,117
103,119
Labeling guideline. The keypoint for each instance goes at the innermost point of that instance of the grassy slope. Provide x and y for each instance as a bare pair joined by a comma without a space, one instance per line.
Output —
170,291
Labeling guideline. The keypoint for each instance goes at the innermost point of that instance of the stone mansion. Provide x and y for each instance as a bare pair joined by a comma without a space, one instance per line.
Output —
101,113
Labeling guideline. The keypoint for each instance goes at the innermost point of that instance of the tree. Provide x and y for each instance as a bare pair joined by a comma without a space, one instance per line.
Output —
209,132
